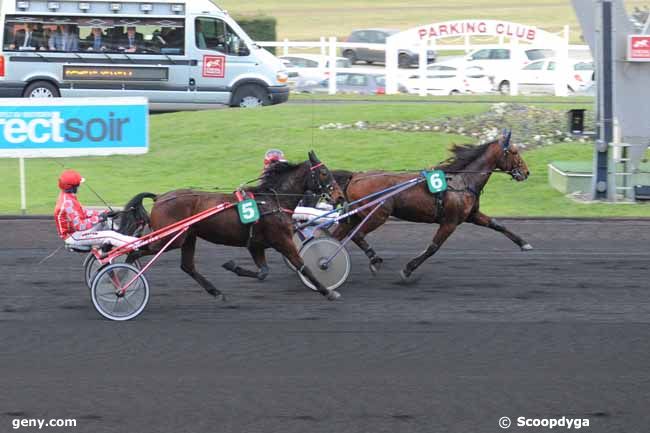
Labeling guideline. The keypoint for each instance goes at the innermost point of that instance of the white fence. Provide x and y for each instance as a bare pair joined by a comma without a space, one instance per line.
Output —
331,46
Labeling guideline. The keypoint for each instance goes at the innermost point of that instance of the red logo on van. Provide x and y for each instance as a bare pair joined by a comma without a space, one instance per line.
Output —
214,66
638,48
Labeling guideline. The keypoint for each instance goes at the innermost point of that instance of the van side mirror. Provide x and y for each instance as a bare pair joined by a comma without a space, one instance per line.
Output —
243,50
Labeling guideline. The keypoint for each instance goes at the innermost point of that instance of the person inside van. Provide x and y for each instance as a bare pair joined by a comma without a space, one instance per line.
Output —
132,42
28,38
201,42
64,39
96,41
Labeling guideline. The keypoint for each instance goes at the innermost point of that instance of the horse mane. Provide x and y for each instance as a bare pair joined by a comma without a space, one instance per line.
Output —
343,178
274,175
464,154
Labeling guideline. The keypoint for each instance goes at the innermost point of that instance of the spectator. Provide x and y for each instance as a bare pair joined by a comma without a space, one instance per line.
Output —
27,39
132,42
64,40
96,40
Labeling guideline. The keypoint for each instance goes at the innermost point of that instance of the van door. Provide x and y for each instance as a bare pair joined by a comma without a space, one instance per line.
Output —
221,56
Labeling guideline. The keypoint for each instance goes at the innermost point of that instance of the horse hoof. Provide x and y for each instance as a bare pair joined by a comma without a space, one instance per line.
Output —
405,277
375,265
527,247
222,298
333,295
230,266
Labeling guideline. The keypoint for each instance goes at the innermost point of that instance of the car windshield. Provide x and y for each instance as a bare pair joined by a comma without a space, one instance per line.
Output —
539,54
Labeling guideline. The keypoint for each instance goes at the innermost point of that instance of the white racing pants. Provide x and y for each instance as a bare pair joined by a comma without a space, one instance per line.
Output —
304,214
97,238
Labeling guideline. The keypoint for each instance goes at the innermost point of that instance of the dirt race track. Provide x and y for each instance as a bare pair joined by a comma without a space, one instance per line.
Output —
487,331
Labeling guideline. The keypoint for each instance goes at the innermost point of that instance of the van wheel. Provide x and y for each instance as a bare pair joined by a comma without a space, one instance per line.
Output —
504,88
250,96
41,89
350,55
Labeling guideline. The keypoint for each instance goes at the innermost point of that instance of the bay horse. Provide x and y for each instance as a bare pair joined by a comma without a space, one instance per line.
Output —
282,186
468,172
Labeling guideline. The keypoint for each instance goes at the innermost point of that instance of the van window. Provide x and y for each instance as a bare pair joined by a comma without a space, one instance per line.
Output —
214,34
94,35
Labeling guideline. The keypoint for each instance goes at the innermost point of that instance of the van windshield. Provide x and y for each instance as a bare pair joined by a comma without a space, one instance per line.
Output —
94,35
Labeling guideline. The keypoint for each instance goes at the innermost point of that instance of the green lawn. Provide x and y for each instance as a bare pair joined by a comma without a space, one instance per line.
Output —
224,148
308,20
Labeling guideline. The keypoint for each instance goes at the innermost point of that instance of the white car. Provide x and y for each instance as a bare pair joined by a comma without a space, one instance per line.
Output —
444,79
541,76
497,61
311,69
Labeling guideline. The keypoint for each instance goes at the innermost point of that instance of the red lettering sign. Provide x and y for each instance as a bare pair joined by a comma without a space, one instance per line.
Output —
214,66
638,48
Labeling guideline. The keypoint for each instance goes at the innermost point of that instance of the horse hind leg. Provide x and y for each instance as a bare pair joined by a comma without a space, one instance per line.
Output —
260,260
443,233
187,265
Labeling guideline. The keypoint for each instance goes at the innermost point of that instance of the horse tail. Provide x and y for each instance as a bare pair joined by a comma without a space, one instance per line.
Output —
135,218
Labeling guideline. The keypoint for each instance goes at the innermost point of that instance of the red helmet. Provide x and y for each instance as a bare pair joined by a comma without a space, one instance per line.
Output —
70,179
273,155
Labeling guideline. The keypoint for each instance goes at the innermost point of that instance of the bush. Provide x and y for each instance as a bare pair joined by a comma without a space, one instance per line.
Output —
260,28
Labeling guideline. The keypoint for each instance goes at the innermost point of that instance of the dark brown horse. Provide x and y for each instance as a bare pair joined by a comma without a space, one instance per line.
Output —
468,172
282,186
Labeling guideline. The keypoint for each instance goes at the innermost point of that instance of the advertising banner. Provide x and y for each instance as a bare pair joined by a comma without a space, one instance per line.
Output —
66,127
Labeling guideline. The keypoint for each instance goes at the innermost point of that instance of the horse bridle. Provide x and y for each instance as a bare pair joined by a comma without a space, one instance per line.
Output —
324,190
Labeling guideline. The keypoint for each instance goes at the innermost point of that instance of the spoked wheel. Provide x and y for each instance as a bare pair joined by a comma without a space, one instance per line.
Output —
316,254
106,292
91,266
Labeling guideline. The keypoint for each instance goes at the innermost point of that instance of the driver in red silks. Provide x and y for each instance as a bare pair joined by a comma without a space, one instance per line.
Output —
319,212
80,227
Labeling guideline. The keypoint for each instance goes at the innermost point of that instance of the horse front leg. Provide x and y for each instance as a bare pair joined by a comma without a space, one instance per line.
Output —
480,219
443,233
285,246
369,224
257,252
344,229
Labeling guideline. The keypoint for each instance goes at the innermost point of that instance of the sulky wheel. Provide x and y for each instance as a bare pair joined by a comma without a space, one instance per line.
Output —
316,254
91,266
107,296
299,239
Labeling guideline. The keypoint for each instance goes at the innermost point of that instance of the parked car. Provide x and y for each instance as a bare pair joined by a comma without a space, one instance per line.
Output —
495,61
450,80
358,82
540,77
311,69
406,57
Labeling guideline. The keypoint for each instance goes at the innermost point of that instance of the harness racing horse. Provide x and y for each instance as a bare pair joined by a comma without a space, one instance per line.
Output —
282,186
468,171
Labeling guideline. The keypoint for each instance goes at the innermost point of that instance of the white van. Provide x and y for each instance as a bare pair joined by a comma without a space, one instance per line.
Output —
177,53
